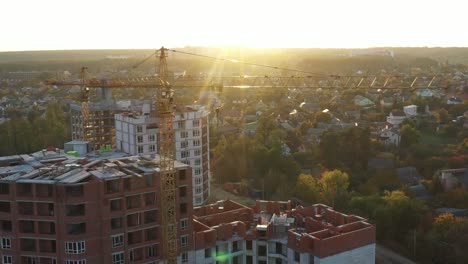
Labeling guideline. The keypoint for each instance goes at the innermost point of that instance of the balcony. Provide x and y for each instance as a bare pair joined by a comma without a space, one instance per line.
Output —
45,209
47,246
46,228
134,237
133,201
116,223
44,190
28,244
26,226
75,209
25,208
150,216
6,226
133,220
76,229
5,207
24,189
74,191
151,234
4,188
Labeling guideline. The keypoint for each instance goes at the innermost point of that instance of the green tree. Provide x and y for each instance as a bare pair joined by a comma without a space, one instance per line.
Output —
334,185
307,188
330,149
409,136
442,116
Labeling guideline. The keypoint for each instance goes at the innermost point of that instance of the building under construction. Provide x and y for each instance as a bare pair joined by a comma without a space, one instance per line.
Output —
57,208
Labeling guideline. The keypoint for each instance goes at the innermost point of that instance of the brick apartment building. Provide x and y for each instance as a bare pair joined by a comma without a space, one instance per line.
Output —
104,211
274,232
56,208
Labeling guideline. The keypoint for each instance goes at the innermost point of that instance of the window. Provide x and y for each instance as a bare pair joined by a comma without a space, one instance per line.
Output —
4,188
196,133
197,152
117,240
116,205
149,198
76,228
152,148
183,144
5,207
261,250
196,142
182,191
139,129
32,260
6,226
184,240
81,261
183,208
183,134
183,224
198,200
140,149
196,122
151,251
6,242
181,124
140,139
74,191
248,244
197,162
152,138
75,247
297,257
197,171
235,246
7,259
185,257
185,154
75,209
116,223
118,258
149,180
198,190
198,180
208,253
112,186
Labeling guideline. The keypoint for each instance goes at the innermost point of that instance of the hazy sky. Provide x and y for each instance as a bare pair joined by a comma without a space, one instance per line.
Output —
113,24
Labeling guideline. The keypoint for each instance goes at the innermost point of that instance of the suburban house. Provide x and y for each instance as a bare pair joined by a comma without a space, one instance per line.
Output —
426,92
452,178
452,100
396,118
387,102
390,136
363,102
410,110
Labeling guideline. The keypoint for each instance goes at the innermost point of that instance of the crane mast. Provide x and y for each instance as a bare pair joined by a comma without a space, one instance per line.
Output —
164,107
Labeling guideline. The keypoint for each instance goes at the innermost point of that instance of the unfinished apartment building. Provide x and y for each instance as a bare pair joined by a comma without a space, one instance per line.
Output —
80,211
274,232
100,128
137,134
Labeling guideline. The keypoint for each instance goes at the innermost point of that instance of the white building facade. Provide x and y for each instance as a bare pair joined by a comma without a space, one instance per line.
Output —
137,135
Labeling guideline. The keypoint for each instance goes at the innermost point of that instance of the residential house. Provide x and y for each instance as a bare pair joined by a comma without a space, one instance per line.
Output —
387,102
363,102
390,136
420,192
452,100
353,115
410,110
426,92
452,178
396,118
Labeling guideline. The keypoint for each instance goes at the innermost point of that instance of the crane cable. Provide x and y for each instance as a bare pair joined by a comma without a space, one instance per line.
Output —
253,64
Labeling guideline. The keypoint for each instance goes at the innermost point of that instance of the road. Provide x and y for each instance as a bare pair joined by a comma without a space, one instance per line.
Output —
384,255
